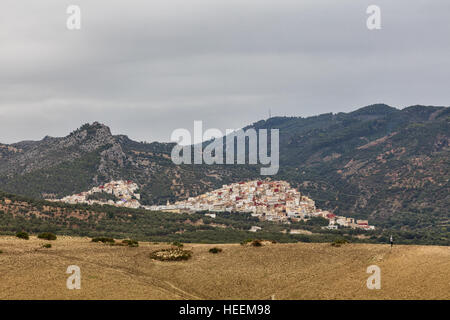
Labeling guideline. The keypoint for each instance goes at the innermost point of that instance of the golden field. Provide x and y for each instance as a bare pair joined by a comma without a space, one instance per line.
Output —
282,271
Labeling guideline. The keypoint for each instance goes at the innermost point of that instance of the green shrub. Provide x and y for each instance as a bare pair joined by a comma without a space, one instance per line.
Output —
244,242
339,242
47,245
215,250
256,243
104,240
1,251
130,243
177,244
47,236
22,235
173,254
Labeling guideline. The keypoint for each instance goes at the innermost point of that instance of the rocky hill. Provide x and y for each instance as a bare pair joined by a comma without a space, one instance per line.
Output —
380,162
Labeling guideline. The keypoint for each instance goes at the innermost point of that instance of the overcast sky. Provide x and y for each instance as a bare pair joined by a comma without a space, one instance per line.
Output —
145,68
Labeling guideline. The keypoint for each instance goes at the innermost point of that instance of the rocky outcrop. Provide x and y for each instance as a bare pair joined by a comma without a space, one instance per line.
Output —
50,151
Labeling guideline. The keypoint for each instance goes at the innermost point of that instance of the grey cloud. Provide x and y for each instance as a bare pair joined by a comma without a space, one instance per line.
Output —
147,68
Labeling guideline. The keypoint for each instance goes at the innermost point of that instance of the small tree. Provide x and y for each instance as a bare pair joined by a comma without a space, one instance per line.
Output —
22,235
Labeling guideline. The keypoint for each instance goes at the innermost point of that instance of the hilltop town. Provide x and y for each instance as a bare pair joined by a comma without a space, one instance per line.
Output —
267,200
119,193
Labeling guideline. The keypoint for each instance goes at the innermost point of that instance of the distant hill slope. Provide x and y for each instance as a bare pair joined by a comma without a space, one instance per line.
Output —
380,162
377,161
18,213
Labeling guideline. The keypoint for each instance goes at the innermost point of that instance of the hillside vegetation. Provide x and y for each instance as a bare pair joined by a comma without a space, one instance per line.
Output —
18,213
391,166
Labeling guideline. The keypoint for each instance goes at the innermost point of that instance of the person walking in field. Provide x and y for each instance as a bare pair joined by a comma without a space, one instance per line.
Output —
391,241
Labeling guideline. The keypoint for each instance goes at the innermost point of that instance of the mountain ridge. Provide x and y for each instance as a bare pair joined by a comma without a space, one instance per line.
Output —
373,162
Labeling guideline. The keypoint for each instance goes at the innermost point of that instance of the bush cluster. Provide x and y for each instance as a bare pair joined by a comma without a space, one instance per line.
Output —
257,243
173,254
177,244
130,243
339,242
47,236
104,240
22,235
215,250
244,242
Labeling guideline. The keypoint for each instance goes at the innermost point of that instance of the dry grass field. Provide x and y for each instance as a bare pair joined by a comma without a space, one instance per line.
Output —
287,271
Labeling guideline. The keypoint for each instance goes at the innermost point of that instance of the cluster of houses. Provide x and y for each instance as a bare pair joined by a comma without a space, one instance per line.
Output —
336,221
267,200
122,191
